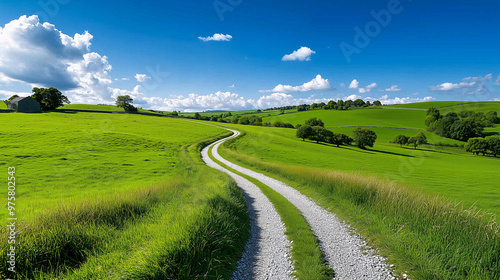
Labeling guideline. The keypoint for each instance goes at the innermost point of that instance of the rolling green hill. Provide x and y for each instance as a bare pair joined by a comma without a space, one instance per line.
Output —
440,170
362,117
109,196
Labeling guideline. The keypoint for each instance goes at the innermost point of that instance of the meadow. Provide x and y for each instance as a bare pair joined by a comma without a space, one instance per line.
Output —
424,209
454,106
444,171
103,196
363,117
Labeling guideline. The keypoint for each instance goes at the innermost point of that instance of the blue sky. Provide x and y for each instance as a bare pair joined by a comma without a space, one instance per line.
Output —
394,51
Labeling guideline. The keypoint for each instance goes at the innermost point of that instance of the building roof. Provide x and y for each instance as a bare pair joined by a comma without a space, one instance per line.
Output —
17,99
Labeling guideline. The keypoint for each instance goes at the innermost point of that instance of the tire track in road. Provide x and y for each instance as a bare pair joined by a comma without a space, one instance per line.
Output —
343,250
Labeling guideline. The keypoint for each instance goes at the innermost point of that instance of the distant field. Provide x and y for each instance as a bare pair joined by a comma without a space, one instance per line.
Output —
245,112
436,170
3,105
368,117
91,107
454,106
427,105
473,106
65,157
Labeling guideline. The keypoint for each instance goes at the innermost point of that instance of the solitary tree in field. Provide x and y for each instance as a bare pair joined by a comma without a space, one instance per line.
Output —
417,140
315,122
401,140
49,98
125,102
364,137
304,132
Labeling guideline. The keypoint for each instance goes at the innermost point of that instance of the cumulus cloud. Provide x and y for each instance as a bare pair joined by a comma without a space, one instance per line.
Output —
141,78
469,86
302,54
355,85
318,83
39,54
393,88
385,99
216,37
5,94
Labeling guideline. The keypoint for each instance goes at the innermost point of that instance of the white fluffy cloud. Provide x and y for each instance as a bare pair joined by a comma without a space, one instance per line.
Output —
5,94
39,54
469,85
141,78
355,85
302,54
318,83
393,88
216,37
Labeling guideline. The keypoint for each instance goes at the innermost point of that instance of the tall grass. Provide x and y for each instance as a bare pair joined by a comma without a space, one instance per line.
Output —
430,237
192,227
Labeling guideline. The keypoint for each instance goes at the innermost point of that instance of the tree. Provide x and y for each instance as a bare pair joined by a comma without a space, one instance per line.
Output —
315,122
377,103
359,102
302,107
346,139
493,145
433,112
124,101
320,134
49,98
464,129
336,139
364,137
304,132
417,140
401,140
492,117
331,105
476,145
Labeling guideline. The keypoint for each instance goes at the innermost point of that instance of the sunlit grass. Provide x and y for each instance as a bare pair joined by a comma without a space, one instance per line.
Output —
428,236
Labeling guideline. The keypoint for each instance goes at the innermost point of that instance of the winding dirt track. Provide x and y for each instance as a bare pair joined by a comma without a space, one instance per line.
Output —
343,250
267,252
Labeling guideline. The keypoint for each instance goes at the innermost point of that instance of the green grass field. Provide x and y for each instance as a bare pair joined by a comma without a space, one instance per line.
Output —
104,196
368,117
70,156
454,106
427,105
436,170
425,236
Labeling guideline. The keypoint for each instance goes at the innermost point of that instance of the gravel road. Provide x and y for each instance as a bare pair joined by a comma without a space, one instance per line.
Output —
267,252
344,251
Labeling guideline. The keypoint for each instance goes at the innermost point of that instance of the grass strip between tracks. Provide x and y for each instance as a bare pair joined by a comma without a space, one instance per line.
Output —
306,253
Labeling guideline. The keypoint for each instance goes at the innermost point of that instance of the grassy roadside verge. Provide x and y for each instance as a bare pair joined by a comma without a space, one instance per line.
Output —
430,237
306,254
194,226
